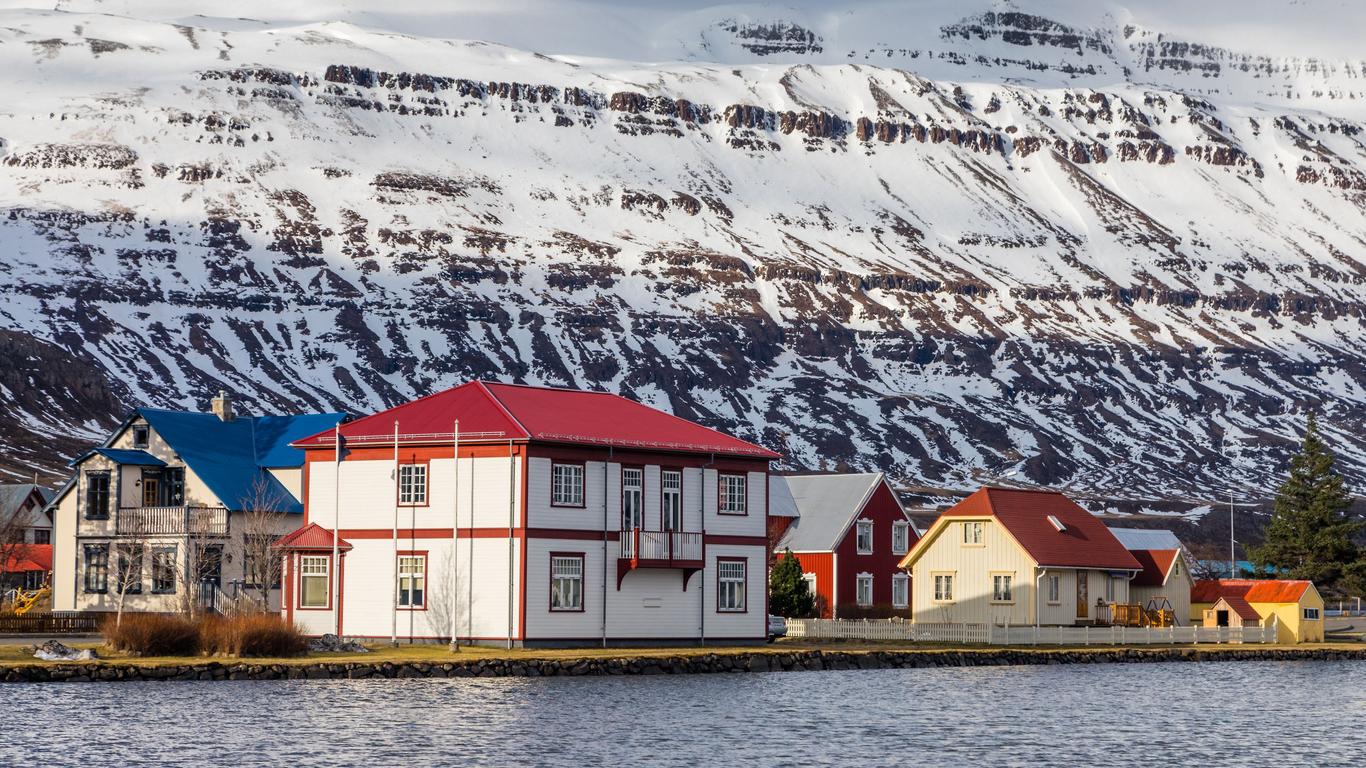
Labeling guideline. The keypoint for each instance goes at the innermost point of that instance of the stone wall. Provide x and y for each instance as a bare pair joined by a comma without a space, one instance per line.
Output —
757,661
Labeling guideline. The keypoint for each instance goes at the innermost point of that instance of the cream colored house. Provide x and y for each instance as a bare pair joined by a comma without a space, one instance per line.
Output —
1011,556
159,510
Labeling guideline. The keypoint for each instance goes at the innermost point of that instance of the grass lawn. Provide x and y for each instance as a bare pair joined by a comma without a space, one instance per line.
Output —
13,655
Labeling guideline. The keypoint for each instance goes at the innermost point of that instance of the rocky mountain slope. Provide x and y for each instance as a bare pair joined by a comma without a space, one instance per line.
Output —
1074,244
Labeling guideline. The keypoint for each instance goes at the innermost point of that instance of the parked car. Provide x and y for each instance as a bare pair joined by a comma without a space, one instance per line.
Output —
777,627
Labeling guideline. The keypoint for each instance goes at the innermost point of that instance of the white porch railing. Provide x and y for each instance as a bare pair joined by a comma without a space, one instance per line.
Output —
986,634
206,521
660,545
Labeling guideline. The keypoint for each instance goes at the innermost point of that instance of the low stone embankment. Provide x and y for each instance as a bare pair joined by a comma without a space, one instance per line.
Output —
756,661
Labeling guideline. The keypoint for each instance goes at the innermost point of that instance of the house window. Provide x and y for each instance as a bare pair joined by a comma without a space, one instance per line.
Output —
1112,588
313,581
972,533
1001,588
97,495
730,586
260,561
1311,614
863,538
412,581
732,501
42,536
632,493
863,590
671,483
97,568
943,587
901,537
810,579
566,582
163,570
412,484
140,434
129,580
901,590
566,485
1054,582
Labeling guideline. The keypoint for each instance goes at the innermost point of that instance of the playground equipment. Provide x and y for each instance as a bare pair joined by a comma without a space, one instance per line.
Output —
22,601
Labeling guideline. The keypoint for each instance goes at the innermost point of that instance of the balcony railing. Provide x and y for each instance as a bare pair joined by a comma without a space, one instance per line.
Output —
175,521
661,545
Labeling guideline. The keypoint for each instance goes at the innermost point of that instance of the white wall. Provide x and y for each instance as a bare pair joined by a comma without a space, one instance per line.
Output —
368,492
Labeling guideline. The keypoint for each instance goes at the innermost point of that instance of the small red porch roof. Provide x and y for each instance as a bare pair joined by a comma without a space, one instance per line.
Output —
492,411
1157,563
1239,606
29,557
1251,590
1081,542
311,537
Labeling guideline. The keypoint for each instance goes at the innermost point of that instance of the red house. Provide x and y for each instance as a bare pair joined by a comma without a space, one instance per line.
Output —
848,532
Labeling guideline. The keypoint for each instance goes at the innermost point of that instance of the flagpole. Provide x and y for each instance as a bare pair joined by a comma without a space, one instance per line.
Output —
455,532
336,526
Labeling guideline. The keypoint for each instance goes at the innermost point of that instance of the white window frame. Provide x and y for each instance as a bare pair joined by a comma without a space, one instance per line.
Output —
567,484
974,533
412,485
632,498
730,585
901,537
862,582
863,529
671,499
942,586
566,582
732,494
1304,614
810,579
1001,596
407,575
1054,582
901,590
315,567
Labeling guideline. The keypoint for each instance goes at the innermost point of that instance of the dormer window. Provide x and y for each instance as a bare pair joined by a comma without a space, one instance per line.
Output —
1057,523
973,533
140,436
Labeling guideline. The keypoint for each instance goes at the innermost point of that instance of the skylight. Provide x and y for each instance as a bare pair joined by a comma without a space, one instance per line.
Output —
1056,522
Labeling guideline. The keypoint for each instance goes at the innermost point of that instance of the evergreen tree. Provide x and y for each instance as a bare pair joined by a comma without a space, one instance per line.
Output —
788,594
1311,532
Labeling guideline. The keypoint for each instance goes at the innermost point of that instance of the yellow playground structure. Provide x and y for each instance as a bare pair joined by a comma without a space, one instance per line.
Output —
22,600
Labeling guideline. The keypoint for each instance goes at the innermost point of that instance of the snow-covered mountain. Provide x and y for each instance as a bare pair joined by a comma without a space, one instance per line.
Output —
1071,243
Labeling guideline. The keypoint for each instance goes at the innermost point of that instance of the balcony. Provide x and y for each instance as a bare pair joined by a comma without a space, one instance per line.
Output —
171,521
659,549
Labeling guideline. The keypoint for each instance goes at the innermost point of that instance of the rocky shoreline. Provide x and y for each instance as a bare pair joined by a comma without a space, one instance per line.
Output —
756,661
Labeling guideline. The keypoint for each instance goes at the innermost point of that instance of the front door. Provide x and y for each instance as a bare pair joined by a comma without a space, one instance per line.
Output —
1082,597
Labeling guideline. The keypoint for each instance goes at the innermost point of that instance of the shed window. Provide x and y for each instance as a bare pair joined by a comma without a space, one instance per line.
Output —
1311,614
972,532
901,537
943,587
566,482
864,592
313,582
901,590
733,495
566,583
412,484
730,586
864,537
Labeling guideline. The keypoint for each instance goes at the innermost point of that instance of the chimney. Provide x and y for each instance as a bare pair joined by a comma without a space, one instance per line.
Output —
222,406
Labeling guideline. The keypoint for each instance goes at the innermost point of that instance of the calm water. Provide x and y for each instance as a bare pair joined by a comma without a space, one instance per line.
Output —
1303,713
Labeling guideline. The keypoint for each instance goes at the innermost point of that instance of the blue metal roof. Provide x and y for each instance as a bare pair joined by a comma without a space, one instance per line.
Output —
122,456
231,456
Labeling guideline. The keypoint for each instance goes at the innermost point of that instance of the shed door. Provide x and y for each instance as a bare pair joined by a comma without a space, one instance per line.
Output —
1083,578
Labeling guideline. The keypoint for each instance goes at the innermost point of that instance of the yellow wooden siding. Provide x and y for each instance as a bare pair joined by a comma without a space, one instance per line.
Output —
973,567
1291,627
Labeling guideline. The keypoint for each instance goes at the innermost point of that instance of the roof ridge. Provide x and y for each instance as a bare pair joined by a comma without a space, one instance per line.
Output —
484,387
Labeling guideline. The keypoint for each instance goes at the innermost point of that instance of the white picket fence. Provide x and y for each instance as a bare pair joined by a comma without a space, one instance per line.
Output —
987,634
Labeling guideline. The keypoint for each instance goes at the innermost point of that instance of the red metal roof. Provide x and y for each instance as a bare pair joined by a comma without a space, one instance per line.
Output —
1084,542
29,557
1251,590
492,411
312,537
1157,563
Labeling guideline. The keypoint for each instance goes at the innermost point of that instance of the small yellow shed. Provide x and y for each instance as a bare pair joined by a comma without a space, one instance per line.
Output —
1294,603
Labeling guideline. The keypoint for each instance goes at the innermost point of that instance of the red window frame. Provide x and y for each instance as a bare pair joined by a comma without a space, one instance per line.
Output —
720,488
550,582
583,479
299,581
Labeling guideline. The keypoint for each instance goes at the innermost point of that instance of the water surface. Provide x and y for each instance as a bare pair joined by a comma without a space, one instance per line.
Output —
1245,713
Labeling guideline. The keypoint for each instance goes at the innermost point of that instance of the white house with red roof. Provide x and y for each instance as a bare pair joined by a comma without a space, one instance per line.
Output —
568,518
1013,556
